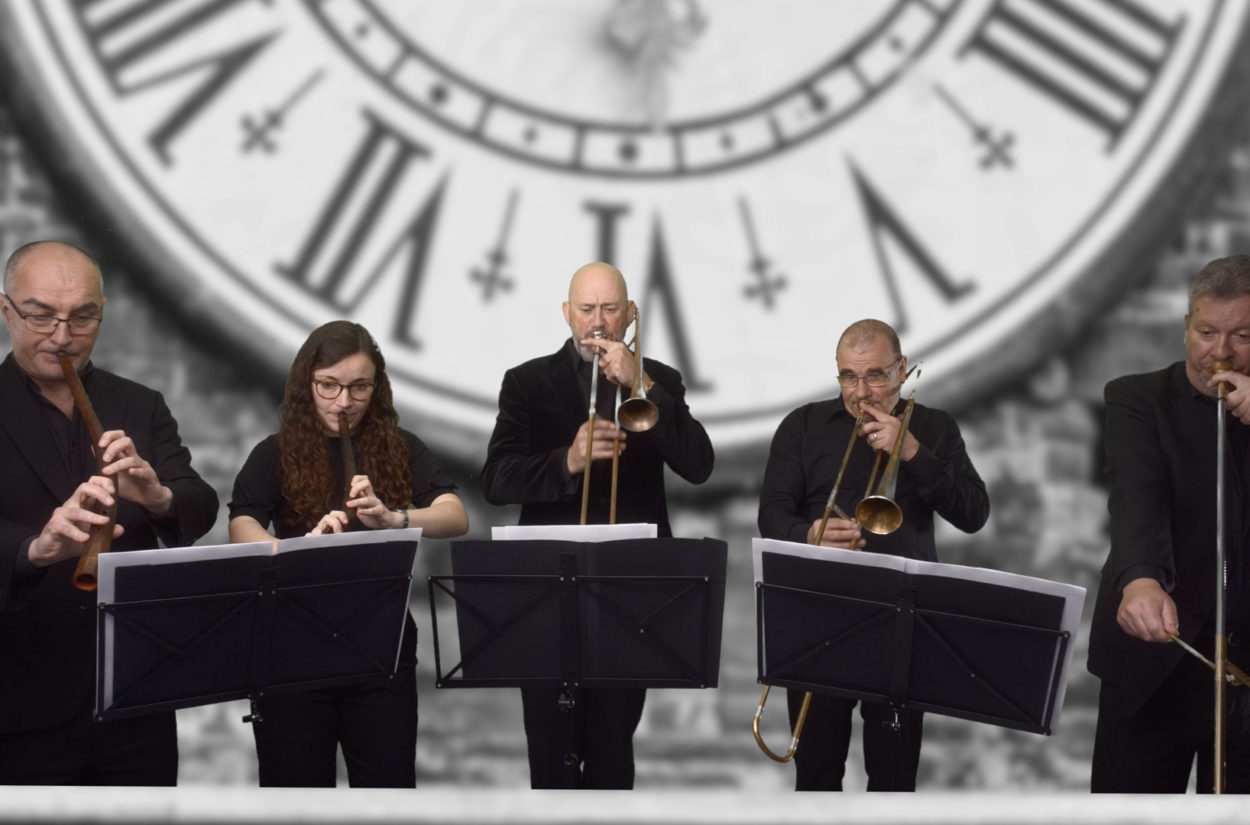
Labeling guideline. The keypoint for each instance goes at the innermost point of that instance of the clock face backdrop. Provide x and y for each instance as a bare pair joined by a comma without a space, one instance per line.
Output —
978,174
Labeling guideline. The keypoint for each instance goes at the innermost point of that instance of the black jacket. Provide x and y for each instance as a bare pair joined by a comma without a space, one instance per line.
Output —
541,406
47,627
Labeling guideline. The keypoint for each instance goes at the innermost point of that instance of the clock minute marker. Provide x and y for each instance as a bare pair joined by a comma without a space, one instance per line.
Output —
760,266
492,277
997,147
258,131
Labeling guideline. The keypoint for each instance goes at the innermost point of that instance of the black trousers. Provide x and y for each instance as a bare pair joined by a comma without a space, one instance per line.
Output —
375,722
81,751
891,756
588,746
1154,750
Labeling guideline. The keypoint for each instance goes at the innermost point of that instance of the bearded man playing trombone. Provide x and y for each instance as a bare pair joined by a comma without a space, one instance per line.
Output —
935,476
537,458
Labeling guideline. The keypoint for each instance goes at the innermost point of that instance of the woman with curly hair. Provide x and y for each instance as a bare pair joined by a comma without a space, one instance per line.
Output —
293,480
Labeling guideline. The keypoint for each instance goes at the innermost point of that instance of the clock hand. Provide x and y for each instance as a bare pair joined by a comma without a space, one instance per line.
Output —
650,33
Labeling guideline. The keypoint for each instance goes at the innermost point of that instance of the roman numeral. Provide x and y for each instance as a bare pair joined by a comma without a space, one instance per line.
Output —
1097,58
885,225
658,283
345,253
129,40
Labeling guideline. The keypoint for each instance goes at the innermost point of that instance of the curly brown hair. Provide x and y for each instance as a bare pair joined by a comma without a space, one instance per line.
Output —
381,451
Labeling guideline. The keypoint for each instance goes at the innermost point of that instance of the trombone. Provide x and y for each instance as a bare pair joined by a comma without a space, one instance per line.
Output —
636,414
590,424
878,513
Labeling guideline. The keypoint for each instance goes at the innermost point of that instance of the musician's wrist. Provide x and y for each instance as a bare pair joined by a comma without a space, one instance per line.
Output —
34,554
401,519
164,501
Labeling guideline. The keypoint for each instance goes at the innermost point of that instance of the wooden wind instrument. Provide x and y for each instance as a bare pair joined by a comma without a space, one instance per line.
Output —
349,463
85,575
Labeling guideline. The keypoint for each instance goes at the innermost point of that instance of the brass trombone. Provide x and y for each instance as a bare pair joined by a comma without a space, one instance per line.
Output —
878,513
590,424
637,414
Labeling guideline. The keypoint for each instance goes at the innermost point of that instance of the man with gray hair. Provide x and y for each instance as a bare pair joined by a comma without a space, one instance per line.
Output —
50,491
1156,707
935,477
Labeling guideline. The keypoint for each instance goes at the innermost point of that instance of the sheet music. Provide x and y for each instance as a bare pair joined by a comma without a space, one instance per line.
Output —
572,532
1073,596
110,563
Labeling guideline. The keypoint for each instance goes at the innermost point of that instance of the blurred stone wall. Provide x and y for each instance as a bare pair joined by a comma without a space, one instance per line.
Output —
1037,444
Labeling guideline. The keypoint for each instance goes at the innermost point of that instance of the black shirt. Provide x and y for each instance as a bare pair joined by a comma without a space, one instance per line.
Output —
807,451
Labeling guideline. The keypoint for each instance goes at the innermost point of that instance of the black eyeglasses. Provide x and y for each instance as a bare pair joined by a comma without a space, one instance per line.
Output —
875,378
330,390
47,324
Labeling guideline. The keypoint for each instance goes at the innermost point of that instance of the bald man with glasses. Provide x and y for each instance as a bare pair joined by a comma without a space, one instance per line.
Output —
935,476
53,303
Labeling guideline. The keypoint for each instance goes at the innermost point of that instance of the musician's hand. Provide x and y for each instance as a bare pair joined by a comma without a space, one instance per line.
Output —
881,430
332,522
1146,611
67,531
137,481
616,361
1237,401
839,532
606,434
367,506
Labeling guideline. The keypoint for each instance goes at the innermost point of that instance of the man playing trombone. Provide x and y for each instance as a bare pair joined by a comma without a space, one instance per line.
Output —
808,455
547,455
1156,707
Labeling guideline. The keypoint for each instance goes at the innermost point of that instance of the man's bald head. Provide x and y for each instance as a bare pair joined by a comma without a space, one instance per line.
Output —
57,254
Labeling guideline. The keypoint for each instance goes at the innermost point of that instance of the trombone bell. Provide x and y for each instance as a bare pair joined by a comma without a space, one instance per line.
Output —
637,414
879,514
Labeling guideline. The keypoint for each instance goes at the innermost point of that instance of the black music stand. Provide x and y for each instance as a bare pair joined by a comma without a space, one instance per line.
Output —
635,613
198,625
965,642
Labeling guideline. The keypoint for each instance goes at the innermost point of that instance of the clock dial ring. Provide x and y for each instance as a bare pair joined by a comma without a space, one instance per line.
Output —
804,109
467,407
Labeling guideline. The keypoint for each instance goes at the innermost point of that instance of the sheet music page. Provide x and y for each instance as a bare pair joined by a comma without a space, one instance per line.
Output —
573,532
349,539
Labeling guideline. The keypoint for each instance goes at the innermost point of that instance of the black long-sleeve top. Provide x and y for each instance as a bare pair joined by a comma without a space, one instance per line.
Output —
541,405
803,462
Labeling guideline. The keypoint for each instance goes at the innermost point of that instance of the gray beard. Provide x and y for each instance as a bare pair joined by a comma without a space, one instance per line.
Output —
586,353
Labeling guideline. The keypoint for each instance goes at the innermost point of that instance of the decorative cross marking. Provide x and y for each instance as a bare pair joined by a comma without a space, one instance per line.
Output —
491,277
257,131
997,147
767,284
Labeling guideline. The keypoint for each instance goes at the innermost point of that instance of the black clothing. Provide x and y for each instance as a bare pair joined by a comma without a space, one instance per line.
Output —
47,626
542,403
802,464
1161,455
373,721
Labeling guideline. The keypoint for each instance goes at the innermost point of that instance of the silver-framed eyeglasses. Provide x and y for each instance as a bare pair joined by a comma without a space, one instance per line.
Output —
44,324
357,391
875,378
